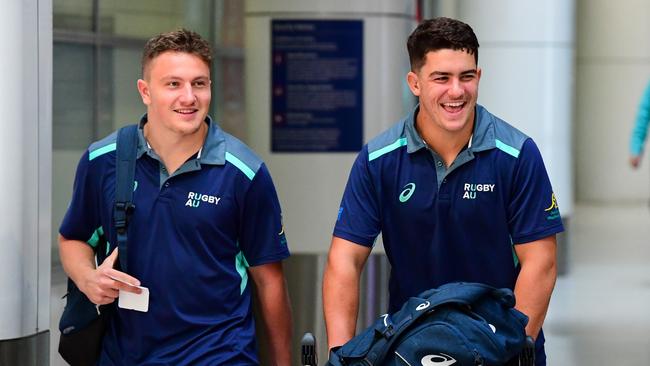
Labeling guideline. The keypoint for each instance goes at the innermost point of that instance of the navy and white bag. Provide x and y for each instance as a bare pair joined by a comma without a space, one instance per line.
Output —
456,324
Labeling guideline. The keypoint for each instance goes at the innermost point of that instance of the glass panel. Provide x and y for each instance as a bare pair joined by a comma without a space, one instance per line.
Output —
125,106
73,15
72,96
145,18
228,70
230,23
220,21
106,91
228,96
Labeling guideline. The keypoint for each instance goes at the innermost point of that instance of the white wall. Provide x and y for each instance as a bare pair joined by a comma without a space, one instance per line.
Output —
613,67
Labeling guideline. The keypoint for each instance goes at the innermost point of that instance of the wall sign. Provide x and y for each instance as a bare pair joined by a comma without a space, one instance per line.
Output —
316,85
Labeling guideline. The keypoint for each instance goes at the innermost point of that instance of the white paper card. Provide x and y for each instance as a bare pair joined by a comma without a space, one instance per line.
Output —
139,302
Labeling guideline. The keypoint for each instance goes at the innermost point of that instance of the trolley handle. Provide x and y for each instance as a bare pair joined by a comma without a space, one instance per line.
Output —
308,350
527,356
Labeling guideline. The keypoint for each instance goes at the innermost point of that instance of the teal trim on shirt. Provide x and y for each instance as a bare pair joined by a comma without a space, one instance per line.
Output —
101,151
232,159
386,149
507,148
241,264
94,239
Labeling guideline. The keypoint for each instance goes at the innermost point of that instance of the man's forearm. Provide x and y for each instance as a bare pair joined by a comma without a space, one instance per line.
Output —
276,310
77,259
340,304
533,293
274,302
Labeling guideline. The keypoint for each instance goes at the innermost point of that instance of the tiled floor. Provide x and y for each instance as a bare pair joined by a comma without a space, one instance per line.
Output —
600,310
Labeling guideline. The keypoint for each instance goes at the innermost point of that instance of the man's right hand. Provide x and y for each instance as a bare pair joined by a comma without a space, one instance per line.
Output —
102,285
635,161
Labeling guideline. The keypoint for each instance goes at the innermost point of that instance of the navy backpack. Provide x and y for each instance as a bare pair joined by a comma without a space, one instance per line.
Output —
83,323
456,324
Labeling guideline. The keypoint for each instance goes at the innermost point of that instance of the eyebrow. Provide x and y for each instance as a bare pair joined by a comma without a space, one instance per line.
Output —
442,73
173,77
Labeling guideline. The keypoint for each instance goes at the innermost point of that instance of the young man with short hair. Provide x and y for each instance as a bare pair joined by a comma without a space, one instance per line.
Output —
206,218
457,193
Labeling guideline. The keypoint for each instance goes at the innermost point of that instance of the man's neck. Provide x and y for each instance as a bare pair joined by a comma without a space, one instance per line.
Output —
174,149
445,143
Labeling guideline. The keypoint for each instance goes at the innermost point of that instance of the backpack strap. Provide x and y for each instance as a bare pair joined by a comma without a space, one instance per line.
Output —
127,147
388,332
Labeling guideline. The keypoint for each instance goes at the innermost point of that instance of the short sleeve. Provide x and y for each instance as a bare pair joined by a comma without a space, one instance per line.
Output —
262,238
359,218
533,211
82,219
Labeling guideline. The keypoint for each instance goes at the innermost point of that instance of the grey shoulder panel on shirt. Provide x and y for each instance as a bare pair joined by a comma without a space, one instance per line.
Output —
103,146
241,156
387,141
507,138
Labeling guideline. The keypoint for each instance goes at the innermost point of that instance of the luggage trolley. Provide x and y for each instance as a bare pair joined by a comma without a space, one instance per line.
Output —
308,356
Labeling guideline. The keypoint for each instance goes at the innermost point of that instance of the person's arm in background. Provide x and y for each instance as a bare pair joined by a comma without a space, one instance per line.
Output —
640,130
536,280
341,289
276,310
78,260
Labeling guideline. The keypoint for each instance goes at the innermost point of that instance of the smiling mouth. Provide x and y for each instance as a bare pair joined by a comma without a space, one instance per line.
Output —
453,107
186,110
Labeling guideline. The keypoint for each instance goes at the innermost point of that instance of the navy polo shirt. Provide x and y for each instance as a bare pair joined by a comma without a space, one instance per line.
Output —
191,237
443,224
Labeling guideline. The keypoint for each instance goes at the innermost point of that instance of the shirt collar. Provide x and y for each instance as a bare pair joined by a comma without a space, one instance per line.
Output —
212,152
482,138
414,141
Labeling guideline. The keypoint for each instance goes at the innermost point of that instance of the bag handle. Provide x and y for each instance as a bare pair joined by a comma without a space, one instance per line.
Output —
467,293
460,293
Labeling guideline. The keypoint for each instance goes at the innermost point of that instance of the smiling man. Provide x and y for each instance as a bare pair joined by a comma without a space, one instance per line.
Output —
457,194
206,217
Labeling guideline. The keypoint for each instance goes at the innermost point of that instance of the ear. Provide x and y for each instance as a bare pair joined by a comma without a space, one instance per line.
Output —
479,71
143,89
413,82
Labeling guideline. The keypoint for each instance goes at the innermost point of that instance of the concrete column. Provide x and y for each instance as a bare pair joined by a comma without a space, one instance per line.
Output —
25,158
527,54
613,69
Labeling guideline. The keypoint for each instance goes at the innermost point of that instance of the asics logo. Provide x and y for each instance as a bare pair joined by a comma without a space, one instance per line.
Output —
407,192
385,316
437,360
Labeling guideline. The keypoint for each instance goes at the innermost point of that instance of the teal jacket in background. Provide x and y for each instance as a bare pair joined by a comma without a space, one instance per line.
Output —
640,130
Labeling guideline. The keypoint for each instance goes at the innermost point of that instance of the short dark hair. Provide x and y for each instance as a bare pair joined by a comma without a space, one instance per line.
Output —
437,34
180,40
